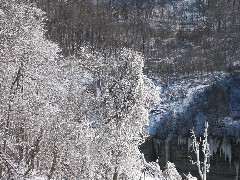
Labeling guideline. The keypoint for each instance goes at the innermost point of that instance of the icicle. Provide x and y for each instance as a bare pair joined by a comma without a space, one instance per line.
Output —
156,144
214,144
237,141
220,153
159,143
189,143
237,168
181,140
227,150
167,150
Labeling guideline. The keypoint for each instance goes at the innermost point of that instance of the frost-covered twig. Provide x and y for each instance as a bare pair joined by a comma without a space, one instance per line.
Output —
203,167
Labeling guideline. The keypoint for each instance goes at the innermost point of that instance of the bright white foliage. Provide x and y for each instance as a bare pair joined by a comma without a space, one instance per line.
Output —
118,111
29,88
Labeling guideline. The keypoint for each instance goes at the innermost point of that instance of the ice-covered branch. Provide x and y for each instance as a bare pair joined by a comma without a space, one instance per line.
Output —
203,167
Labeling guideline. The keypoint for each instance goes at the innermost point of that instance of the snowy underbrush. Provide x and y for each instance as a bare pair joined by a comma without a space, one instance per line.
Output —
170,173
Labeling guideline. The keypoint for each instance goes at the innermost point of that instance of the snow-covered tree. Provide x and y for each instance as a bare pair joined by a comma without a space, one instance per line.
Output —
113,95
77,118
28,72
171,172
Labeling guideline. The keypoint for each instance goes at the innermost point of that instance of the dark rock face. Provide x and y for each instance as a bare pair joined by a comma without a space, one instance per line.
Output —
179,154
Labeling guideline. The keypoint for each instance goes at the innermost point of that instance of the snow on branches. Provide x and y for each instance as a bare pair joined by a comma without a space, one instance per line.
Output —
203,167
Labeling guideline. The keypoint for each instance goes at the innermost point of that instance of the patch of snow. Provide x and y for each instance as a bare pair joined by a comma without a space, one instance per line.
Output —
2,13
171,172
190,177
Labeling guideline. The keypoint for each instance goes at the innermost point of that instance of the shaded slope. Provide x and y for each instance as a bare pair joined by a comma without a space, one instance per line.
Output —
189,101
